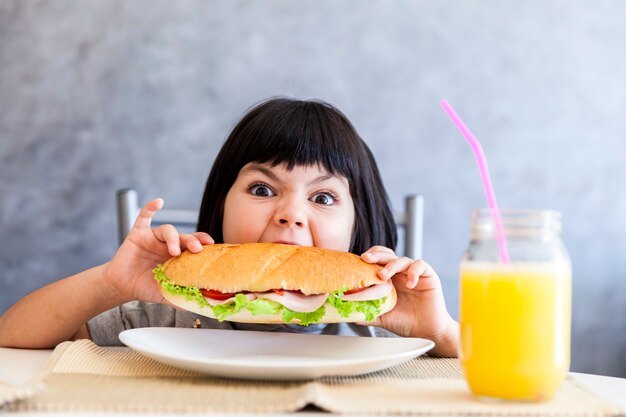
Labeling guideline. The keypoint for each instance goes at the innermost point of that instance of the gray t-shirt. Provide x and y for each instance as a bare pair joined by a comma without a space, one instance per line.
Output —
105,327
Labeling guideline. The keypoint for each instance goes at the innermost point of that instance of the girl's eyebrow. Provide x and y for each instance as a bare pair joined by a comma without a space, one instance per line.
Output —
262,170
323,178
266,171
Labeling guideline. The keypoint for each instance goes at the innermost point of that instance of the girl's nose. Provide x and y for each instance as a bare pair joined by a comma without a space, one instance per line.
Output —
288,222
290,215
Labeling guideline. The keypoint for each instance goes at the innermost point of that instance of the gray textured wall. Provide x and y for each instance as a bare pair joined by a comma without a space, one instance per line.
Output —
99,95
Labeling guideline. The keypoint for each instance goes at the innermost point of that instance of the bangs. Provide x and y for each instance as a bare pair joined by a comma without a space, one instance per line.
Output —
304,133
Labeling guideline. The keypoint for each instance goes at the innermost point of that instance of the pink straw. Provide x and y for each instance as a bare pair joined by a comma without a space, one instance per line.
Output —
484,174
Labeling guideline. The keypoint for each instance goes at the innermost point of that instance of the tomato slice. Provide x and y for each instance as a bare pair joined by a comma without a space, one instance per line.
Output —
216,295
355,290
281,291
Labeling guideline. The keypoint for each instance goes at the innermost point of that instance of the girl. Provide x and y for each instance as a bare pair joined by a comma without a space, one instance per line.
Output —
291,171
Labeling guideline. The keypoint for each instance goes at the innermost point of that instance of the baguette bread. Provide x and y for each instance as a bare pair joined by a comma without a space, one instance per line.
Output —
253,267
258,271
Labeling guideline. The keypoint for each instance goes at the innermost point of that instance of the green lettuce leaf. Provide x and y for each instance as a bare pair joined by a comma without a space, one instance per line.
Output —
190,293
335,299
370,308
221,311
305,318
257,306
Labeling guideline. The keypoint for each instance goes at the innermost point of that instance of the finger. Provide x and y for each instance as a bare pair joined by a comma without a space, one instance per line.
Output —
190,242
381,256
168,234
415,271
394,267
422,272
379,248
144,218
194,241
204,238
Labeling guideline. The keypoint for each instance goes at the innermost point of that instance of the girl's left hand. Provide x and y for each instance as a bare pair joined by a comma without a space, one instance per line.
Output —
421,309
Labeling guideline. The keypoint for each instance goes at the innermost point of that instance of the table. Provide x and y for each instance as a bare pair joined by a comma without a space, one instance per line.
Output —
19,365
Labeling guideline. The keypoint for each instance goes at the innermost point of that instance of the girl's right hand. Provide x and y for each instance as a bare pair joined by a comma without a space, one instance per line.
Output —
130,271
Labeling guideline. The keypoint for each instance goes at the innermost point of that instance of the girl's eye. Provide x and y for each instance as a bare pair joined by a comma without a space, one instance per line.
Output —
325,199
261,190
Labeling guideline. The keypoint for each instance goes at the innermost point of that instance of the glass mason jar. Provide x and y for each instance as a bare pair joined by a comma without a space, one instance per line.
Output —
515,314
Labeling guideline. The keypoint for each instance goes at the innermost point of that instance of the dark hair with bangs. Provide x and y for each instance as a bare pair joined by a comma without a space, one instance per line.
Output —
297,132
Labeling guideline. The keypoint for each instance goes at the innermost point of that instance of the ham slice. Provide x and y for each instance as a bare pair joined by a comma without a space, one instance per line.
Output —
374,292
296,301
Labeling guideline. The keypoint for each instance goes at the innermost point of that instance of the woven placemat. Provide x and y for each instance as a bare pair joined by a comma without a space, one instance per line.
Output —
13,393
82,376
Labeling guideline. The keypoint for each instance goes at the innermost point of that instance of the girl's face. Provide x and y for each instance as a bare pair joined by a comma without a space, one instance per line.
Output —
305,206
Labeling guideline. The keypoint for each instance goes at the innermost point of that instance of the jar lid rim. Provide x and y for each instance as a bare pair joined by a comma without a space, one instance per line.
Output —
518,212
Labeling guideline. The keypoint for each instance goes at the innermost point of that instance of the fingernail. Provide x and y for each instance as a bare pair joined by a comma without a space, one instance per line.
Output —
384,272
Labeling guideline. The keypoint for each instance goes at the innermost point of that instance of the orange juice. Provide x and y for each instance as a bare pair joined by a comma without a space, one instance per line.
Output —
515,327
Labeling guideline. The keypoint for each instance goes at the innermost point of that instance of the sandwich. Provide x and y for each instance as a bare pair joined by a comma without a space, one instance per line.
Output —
275,283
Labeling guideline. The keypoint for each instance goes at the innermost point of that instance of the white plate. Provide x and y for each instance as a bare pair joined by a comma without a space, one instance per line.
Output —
267,355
